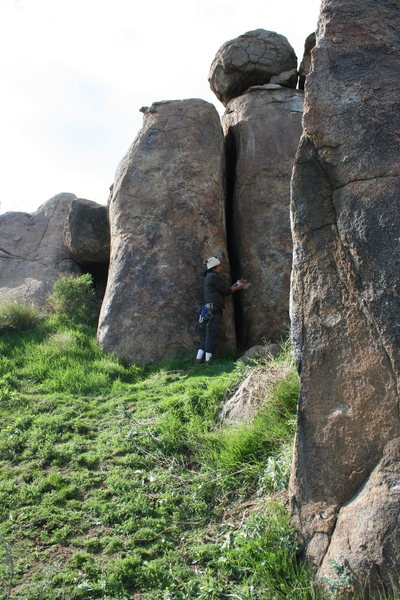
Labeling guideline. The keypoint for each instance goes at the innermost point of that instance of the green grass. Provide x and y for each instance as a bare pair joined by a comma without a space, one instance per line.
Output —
117,483
15,316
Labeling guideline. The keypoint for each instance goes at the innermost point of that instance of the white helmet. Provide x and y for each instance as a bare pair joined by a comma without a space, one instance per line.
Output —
212,262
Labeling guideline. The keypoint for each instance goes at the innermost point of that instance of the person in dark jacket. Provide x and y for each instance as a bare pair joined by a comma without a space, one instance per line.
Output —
215,291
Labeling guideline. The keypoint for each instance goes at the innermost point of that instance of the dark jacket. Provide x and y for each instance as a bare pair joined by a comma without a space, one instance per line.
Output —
215,290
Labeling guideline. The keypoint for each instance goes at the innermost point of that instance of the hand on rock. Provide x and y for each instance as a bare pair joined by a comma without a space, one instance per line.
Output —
238,285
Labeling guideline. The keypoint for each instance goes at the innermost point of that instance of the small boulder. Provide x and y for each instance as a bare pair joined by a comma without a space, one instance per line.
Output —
286,79
87,233
260,352
252,59
252,393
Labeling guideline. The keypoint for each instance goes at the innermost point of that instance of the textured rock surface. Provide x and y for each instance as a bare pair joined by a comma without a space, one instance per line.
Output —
252,393
305,65
345,293
263,129
166,217
367,534
251,59
32,253
87,233
287,78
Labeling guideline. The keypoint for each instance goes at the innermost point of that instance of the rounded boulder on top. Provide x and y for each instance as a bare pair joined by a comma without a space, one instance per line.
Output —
254,58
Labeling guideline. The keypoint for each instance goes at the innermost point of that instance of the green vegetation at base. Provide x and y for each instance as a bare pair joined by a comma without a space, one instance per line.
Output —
117,483
74,297
15,316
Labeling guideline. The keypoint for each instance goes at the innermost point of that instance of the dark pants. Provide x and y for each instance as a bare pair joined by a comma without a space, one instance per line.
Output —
210,330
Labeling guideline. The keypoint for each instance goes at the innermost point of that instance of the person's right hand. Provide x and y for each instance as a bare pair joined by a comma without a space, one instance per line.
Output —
238,285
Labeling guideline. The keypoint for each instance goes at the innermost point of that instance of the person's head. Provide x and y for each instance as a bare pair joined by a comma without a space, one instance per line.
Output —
213,265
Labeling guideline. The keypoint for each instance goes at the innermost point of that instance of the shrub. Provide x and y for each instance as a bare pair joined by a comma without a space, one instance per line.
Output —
74,297
15,316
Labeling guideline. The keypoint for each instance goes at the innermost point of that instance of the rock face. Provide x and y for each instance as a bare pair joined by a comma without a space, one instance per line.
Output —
346,286
263,129
87,233
32,253
252,59
367,535
167,216
305,65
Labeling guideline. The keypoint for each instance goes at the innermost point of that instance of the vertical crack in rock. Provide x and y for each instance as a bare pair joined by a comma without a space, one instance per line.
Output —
262,129
230,179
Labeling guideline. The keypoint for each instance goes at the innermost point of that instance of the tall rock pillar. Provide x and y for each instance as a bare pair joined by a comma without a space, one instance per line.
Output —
166,217
345,295
262,128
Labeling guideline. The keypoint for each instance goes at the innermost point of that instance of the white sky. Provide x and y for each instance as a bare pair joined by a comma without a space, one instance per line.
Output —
74,74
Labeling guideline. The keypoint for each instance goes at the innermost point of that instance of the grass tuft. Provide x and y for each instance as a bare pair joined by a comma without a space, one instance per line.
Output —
15,316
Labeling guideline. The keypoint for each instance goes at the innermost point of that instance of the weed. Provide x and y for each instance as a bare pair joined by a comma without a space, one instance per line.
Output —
277,471
342,580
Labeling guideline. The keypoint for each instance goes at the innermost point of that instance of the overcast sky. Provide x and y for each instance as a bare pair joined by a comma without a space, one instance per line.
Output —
74,74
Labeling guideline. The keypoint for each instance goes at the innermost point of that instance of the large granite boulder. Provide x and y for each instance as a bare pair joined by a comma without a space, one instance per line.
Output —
252,59
32,254
263,129
87,232
346,283
166,217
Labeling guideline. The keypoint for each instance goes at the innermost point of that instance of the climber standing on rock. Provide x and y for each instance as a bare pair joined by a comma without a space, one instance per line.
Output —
215,290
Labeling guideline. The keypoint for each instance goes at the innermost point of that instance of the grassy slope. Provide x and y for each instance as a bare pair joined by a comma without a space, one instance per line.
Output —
116,482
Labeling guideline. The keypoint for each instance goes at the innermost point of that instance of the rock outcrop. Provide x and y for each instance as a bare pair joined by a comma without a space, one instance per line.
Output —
32,253
87,232
305,65
167,216
263,129
253,58
346,284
